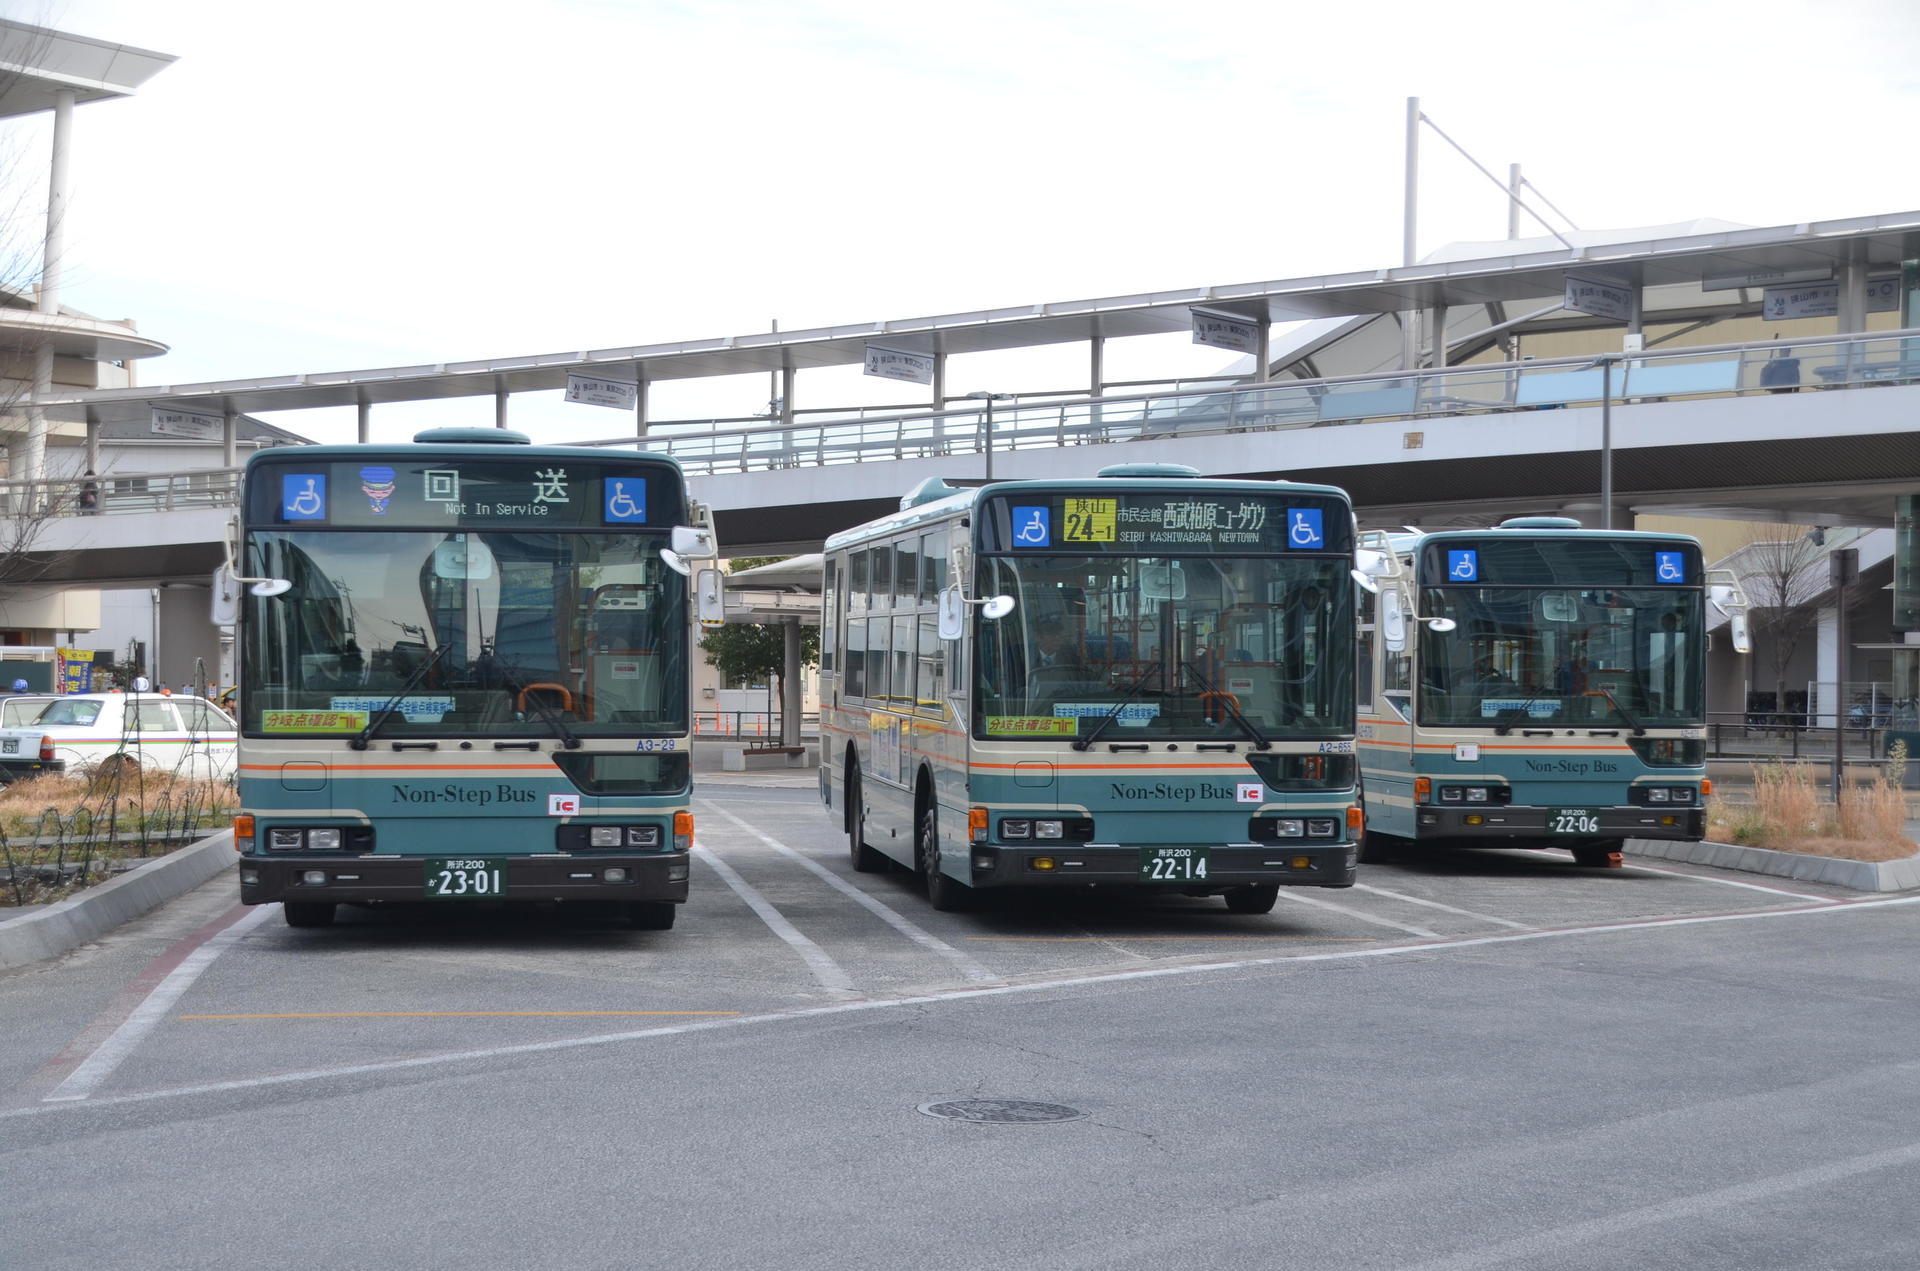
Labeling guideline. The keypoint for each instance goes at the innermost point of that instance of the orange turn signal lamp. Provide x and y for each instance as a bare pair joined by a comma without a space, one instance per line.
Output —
1422,788
977,824
1706,786
682,831
243,832
1356,818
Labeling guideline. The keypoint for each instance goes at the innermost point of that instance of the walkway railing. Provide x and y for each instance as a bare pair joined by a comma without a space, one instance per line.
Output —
1716,371
703,447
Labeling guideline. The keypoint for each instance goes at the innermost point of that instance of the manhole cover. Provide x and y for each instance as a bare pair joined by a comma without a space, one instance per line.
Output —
1002,1111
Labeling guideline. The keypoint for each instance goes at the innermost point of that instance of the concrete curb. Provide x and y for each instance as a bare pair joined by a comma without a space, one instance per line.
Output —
1900,875
49,932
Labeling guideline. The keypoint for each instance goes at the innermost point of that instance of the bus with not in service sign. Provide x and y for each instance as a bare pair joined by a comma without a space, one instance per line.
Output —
463,675
1536,685
1139,680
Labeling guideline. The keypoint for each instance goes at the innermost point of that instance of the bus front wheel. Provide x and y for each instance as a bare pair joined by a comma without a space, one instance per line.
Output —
309,913
865,859
943,893
1257,899
652,915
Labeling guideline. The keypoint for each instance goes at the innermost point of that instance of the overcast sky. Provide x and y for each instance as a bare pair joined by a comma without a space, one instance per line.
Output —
328,186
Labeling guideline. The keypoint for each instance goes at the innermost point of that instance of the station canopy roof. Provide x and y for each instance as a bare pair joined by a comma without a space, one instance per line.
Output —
37,63
1694,259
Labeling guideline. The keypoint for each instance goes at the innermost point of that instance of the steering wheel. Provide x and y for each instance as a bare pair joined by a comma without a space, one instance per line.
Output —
566,695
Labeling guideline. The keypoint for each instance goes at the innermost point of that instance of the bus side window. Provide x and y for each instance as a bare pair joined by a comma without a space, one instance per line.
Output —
829,620
1367,650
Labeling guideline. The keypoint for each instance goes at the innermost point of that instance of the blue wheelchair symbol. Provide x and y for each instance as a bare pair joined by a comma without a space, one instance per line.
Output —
1670,567
303,496
626,501
1033,527
1463,567
1305,528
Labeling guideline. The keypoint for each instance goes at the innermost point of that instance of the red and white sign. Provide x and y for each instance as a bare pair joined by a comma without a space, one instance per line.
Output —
563,805
1249,792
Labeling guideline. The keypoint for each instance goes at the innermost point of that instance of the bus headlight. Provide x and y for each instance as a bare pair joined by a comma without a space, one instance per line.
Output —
323,840
1048,829
1289,828
1020,829
606,836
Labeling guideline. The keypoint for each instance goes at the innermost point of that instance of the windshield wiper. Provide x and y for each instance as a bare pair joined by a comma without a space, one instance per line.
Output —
1505,726
359,740
517,683
1082,743
1639,729
1233,707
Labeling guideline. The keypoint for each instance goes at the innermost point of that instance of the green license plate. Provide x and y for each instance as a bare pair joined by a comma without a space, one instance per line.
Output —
1573,821
464,879
1173,864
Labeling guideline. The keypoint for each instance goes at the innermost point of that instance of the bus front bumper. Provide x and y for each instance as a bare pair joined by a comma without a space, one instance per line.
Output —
549,876
1529,827
1105,865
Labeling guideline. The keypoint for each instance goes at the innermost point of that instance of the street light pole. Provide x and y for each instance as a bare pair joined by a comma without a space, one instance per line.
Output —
986,441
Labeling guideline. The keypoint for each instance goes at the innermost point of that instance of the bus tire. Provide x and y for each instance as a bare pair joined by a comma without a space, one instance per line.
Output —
1373,848
1256,899
308,913
943,893
865,859
652,915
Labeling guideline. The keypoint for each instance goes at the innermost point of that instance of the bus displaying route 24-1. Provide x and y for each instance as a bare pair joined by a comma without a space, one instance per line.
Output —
1141,680
464,675
1536,685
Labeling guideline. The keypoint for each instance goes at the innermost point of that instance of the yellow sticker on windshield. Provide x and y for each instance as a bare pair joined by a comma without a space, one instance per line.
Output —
1030,726
1090,520
312,721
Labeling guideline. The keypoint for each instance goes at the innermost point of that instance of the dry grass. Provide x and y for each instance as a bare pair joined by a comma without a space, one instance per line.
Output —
59,833
1788,814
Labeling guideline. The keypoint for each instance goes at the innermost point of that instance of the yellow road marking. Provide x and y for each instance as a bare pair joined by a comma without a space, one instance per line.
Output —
1150,939
445,1014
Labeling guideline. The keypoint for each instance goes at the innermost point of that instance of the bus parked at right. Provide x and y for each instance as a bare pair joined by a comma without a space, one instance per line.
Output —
1536,685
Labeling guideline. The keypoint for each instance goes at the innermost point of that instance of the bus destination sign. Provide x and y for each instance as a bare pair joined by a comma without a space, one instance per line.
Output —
537,493
1157,523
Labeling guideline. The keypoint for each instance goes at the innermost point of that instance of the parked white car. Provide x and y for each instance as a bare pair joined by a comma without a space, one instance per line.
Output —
187,736
20,710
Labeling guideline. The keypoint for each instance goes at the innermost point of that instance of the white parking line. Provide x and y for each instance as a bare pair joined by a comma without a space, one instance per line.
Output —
1699,878
1290,893
971,968
1055,984
832,976
145,1017
1434,904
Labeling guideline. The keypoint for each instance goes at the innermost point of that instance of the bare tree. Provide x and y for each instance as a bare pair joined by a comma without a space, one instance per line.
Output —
1784,572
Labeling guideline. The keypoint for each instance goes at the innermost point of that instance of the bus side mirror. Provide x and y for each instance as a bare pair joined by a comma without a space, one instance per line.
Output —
953,614
226,598
1393,621
709,604
693,541
1742,642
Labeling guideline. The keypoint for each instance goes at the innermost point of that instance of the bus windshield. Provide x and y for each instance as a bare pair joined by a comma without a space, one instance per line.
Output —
490,634
1540,656
1218,648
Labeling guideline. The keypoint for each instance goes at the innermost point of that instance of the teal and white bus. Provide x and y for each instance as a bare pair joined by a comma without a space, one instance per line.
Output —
1536,685
1139,680
463,675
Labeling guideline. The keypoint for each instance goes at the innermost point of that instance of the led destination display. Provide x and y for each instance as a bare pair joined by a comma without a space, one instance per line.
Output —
1161,524
1513,560
533,491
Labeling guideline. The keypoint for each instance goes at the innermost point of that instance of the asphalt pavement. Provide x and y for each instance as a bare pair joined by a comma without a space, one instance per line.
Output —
1489,1059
